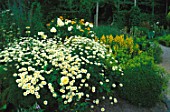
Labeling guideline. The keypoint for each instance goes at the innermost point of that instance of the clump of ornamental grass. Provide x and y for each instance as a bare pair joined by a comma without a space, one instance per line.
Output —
68,76
8,28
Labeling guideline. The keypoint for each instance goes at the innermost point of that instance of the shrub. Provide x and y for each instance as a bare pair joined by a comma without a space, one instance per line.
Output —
168,17
122,47
65,28
134,16
155,51
151,47
164,40
67,76
106,30
143,83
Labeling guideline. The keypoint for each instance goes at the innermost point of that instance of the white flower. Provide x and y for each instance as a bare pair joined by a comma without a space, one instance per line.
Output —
110,98
25,93
54,95
43,82
92,106
115,100
14,74
78,27
97,101
44,36
86,85
40,33
83,80
72,82
70,28
53,30
62,91
65,102
88,75
114,68
45,102
102,109
63,96
87,95
60,23
107,80
101,83
121,85
87,23
92,35
113,85
93,89
91,25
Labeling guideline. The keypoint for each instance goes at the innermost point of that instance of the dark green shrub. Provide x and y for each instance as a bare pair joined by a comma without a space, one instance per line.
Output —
168,17
134,16
120,19
143,83
106,30
165,40
151,47
155,51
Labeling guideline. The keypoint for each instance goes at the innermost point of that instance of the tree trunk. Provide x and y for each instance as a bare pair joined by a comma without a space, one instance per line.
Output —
166,10
118,6
153,7
135,3
97,13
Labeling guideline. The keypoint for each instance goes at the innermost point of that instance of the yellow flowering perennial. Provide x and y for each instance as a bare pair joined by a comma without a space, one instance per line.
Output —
120,43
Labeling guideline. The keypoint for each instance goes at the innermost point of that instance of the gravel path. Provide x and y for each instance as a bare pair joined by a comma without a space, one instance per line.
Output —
166,64
166,58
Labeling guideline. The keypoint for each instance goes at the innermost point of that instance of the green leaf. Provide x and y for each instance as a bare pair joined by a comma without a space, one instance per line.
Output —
4,107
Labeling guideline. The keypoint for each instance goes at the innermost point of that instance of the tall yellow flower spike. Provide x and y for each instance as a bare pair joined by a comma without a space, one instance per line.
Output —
82,21
110,39
103,39
119,40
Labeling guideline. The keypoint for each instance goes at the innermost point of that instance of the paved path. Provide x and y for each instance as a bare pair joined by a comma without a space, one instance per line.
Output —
166,58
166,64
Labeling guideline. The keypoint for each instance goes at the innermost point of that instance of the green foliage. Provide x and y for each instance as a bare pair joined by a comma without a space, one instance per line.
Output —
120,19
151,47
56,76
168,17
134,16
27,14
164,40
143,81
8,28
106,30
155,51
